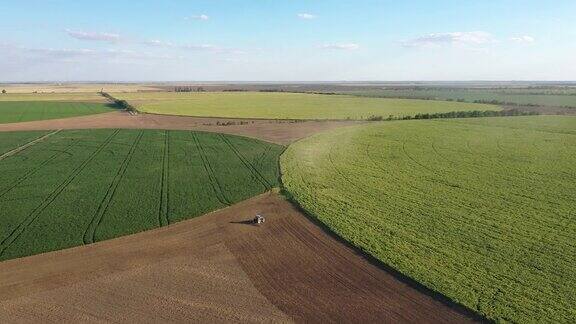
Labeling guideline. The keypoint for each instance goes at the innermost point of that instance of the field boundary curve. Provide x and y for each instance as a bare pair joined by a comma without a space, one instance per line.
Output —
437,296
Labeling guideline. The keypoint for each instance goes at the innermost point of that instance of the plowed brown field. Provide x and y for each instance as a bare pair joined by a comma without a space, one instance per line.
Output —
216,268
277,131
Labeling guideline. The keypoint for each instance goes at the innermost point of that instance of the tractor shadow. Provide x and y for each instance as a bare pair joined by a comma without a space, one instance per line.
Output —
246,222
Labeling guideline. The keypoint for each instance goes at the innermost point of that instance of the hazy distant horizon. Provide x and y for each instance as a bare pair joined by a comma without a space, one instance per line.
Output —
356,82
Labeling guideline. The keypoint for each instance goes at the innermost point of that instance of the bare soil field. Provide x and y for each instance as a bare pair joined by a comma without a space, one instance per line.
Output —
216,268
281,132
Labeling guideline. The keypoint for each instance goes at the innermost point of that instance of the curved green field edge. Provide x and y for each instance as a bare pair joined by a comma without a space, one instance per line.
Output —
22,111
264,105
481,210
83,186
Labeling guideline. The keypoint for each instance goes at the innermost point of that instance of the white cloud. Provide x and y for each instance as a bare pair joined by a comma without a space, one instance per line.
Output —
474,38
306,16
200,47
93,36
525,39
202,17
193,47
345,47
158,43
211,48
67,54
59,52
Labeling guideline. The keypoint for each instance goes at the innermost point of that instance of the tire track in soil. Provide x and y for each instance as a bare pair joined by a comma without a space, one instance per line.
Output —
216,186
255,173
163,209
90,232
27,145
15,234
313,277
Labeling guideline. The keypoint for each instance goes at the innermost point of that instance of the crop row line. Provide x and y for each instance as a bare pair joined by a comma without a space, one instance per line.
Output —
90,232
260,159
216,186
15,234
163,219
34,170
510,232
343,175
27,145
247,164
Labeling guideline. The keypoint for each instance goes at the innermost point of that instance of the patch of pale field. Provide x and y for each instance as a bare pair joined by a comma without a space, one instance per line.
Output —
67,97
76,87
267,105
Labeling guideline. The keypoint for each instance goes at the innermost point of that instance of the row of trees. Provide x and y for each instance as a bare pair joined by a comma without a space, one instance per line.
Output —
188,89
459,114
122,104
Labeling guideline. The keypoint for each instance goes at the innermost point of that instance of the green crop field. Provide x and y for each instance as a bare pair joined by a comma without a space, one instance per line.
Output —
64,96
21,111
481,210
78,187
285,105
551,97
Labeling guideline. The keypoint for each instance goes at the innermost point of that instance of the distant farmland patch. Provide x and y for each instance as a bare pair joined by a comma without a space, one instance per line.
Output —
481,210
79,187
65,97
21,111
537,97
286,105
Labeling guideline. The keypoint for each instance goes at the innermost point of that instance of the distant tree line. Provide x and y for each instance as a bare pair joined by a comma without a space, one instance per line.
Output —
188,89
479,101
458,114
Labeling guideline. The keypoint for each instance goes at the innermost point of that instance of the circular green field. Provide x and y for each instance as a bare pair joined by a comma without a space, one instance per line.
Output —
78,187
481,210
286,105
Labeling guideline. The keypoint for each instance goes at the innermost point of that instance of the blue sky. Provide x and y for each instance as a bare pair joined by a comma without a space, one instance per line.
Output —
291,40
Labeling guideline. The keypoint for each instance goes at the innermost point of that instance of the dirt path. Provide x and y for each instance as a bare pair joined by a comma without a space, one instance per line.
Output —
215,268
281,132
